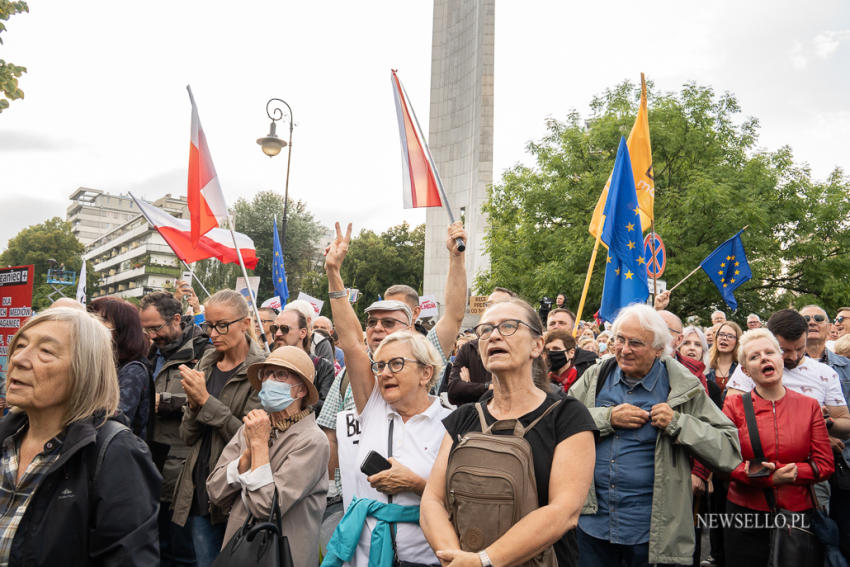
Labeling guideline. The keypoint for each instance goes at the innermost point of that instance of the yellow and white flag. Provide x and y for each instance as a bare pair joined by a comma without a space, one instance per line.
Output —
640,151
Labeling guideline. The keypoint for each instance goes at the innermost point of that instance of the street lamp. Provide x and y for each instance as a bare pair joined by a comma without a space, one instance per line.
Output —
271,146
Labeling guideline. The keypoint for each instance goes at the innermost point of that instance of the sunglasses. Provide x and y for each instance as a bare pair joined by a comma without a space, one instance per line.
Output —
284,329
387,323
819,318
840,319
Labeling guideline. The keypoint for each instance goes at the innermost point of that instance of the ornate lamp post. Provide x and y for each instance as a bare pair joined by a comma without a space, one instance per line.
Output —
272,145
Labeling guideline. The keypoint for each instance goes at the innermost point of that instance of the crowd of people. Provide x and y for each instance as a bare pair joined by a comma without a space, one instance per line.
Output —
152,434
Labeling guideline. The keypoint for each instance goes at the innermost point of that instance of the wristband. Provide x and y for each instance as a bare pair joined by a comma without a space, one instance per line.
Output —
338,294
485,559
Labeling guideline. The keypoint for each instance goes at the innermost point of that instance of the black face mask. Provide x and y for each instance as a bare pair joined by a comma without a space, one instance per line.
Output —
557,359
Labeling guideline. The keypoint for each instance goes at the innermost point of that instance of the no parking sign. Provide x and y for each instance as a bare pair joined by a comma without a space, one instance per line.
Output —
655,263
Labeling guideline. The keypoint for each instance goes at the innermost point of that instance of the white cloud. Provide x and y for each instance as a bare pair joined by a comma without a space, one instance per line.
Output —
826,43
798,60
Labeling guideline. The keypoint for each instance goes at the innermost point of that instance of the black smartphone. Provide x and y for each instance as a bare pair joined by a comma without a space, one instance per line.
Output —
374,463
757,470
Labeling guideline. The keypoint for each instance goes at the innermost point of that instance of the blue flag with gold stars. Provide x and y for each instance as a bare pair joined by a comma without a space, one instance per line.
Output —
625,270
728,268
278,270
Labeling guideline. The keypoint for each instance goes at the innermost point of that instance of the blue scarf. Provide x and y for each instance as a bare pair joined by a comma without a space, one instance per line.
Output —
344,540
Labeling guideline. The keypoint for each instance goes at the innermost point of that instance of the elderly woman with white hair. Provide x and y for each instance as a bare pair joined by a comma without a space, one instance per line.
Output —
652,414
694,344
401,425
76,487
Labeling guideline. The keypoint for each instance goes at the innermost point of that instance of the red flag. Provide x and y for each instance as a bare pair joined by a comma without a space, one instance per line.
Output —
217,243
421,181
207,209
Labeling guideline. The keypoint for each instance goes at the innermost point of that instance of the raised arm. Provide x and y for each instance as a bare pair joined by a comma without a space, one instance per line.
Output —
345,320
455,299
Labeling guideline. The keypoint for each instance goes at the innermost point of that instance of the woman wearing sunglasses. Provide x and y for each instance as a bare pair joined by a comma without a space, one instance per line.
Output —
402,423
219,395
560,434
279,448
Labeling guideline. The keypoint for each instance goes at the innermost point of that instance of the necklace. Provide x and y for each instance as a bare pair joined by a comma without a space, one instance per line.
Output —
282,424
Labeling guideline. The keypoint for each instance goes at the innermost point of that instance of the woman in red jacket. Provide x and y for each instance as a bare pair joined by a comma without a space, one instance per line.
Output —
795,445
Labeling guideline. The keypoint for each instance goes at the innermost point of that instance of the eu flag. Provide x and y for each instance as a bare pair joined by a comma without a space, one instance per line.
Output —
278,271
728,268
625,270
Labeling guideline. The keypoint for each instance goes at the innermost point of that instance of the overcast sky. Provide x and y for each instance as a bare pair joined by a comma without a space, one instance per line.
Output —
106,105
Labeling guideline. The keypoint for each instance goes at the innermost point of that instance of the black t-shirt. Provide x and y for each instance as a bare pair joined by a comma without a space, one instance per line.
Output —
569,418
201,503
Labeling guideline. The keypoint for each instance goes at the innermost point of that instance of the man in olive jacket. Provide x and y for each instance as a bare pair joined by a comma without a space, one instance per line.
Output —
175,340
652,415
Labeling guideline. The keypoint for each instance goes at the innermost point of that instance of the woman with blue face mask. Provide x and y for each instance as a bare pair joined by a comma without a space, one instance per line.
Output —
279,447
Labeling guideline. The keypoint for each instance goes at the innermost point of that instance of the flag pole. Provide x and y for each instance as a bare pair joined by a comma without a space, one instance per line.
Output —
458,241
695,269
651,220
263,338
587,278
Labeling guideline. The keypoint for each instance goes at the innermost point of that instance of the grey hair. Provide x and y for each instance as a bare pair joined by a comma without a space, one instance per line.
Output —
752,335
702,341
650,320
754,315
94,380
818,307
421,348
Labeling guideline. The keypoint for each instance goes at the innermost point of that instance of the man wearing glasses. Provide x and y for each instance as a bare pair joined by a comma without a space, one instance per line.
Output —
652,415
290,329
842,322
175,340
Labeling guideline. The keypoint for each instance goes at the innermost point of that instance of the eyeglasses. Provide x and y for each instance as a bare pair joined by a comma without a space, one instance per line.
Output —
396,364
153,330
387,323
506,328
221,327
727,336
840,319
674,331
284,329
634,344
819,318
277,374
266,320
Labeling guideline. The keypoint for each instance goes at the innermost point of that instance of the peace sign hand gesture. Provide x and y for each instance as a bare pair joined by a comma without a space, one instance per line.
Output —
336,250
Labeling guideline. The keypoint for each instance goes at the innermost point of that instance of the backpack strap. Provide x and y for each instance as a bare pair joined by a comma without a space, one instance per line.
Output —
104,436
504,424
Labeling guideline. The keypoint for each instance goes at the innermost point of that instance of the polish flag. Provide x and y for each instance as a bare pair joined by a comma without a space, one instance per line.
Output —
217,243
207,209
422,187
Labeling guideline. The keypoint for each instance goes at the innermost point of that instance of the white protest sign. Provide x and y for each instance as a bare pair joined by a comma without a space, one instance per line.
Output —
316,303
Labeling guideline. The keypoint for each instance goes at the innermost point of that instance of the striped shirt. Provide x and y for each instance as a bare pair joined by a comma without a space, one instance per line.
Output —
15,496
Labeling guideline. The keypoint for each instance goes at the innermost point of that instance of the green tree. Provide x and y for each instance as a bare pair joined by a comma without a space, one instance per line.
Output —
375,262
711,180
9,72
37,244
255,218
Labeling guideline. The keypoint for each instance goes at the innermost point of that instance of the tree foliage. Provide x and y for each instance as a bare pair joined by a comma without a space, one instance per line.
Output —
9,72
377,261
711,180
255,218
39,243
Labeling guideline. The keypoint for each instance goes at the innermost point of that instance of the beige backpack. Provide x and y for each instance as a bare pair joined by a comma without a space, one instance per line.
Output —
490,484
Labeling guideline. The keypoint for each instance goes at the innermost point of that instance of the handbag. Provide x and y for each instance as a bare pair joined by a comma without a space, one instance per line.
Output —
841,476
791,542
257,543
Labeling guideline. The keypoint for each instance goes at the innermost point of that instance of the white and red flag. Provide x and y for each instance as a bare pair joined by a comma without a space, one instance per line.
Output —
422,186
217,243
207,209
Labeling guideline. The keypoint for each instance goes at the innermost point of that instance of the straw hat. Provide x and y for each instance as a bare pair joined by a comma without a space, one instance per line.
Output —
294,359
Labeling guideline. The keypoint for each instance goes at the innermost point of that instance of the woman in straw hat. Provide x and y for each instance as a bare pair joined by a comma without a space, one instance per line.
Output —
281,448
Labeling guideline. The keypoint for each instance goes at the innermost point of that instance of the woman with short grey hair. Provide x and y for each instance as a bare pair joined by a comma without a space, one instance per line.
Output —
76,488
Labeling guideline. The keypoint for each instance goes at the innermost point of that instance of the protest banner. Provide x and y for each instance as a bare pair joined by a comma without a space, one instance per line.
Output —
15,308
